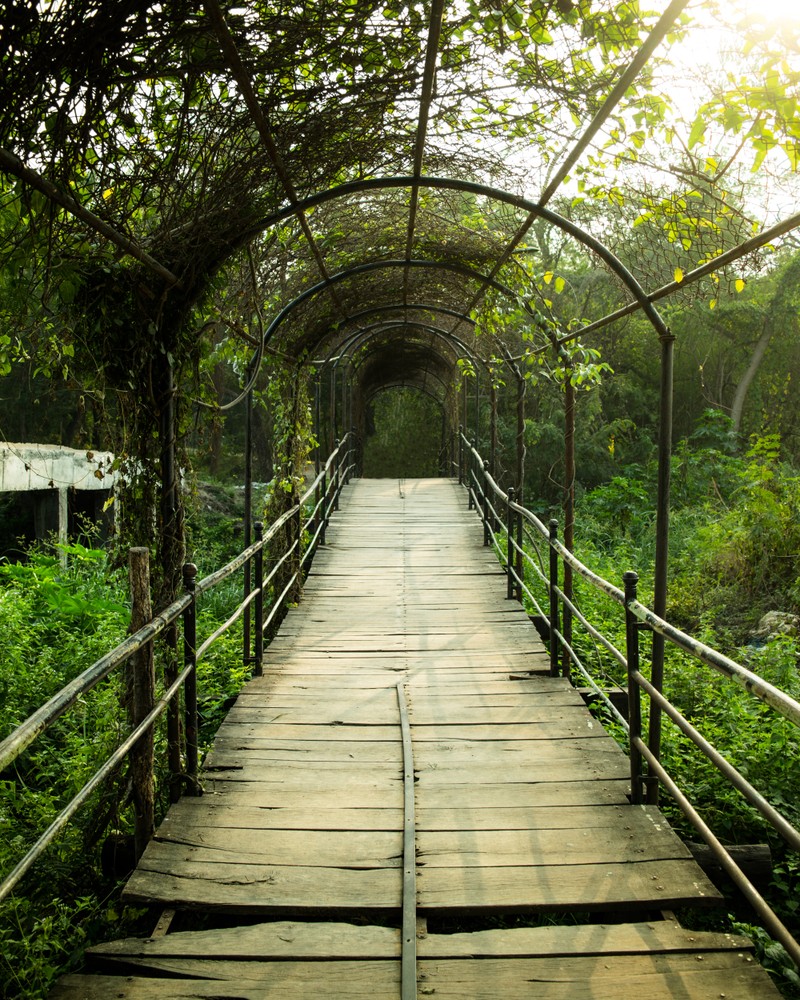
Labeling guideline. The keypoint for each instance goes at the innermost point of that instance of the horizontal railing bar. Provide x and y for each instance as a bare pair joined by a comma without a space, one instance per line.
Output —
25,734
74,805
755,798
763,910
755,685
278,602
593,632
592,683
226,625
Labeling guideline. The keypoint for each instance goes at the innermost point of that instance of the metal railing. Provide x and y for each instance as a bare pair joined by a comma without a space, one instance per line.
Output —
311,512
500,512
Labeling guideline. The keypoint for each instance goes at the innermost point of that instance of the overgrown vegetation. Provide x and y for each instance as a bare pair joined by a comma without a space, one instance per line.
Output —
735,544
60,610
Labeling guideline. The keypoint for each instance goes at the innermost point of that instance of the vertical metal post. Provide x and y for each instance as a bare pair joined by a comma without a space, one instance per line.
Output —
477,411
486,509
471,478
336,473
569,510
323,510
662,544
296,563
493,431
259,618
460,455
248,514
631,581
190,686
520,483
510,514
554,606
317,422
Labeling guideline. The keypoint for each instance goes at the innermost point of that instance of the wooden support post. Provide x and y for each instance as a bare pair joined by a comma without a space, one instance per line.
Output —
141,687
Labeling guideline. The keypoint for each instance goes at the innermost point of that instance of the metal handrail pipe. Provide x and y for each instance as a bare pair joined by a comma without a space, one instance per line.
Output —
226,625
575,659
789,833
74,805
25,734
219,575
768,693
278,564
762,909
276,605
593,632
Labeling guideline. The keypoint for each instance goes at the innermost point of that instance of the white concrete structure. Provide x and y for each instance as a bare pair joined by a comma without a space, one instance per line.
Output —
49,471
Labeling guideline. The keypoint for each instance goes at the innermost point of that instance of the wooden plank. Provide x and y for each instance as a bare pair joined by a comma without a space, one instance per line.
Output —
274,981
653,937
281,939
193,813
263,888
604,978
577,846
381,714
433,733
265,794
295,939
627,886
200,845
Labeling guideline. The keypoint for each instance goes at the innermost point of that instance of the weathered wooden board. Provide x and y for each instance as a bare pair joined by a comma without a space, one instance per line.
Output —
593,887
198,845
590,845
296,939
276,981
689,977
266,794
272,889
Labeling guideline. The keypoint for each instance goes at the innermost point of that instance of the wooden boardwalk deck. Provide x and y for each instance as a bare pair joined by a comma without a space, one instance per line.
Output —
294,853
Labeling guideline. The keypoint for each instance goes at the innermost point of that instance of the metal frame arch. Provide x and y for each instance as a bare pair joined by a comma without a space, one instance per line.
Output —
487,191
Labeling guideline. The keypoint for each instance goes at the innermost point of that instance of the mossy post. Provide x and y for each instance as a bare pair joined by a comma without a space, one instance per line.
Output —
141,684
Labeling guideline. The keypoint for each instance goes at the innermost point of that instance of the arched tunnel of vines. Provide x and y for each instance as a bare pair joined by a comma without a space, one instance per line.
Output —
564,233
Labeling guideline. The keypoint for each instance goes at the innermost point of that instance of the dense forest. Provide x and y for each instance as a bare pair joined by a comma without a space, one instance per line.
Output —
232,233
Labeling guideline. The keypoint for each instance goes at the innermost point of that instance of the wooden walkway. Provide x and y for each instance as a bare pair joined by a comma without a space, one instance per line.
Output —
293,856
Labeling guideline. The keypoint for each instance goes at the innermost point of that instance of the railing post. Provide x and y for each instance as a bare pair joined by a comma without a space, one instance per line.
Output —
460,455
471,476
485,487
259,617
295,563
631,581
336,472
323,507
190,687
141,686
510,513
554,607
